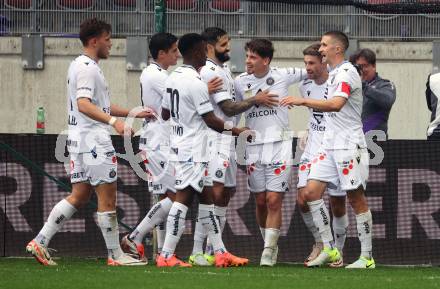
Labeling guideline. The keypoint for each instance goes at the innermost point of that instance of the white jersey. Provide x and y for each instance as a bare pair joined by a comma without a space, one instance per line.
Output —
309,89
344,128
270,124
85,79
155,133
186,97
227,92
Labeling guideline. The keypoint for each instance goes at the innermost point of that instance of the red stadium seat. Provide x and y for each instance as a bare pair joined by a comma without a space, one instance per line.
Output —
182,5
225,5
76,4
125,3
20,4
379,2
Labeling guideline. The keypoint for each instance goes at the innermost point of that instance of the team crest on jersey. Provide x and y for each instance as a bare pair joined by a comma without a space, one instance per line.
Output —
248,85
162,164
112,174
219,174
270,81
201,183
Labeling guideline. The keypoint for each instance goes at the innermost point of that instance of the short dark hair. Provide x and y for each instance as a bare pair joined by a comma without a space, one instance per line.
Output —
339,36
262,47
213,34
366,53
313,50
188,42
161,41
91,28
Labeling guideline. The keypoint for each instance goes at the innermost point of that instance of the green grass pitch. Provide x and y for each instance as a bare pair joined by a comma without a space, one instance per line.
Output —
78,273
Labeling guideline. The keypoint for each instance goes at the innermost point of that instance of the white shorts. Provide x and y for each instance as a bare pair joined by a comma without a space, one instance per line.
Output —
345,168
192,174
95,168
160,171
222,168
269,167
303,172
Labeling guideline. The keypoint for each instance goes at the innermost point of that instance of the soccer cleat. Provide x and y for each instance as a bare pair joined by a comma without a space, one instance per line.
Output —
135,250
337,264
40,253
210,259
316,249
201,259
125,260
269,256
173,261
326,256
226,259
362,263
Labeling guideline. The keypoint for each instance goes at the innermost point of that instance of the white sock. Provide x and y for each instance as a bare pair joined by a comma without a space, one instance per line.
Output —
271,238
220,214
199,237
156,215
110,231
60,213
308,220
211,225
160,236
175,228
365,232
322,221
263,232
340,225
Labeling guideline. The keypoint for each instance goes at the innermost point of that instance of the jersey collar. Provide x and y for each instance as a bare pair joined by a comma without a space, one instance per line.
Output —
189,66
337,66
157,64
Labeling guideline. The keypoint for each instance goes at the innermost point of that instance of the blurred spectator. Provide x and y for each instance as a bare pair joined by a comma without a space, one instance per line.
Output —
379,93
432,93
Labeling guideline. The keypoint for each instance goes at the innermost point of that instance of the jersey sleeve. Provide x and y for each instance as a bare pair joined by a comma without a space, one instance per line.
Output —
85,81
207,75
294,75
344,84
165,99
238,88
200,97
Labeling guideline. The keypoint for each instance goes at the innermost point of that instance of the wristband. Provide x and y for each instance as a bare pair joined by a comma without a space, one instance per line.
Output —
112,121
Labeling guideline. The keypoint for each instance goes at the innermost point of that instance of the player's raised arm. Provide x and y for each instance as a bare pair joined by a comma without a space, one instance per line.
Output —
326,105
217,124
264,98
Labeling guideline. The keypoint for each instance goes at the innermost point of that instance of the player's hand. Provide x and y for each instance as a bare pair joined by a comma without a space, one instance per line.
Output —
291,101
214,85
123,129
147,112
250,134
266,98
303,140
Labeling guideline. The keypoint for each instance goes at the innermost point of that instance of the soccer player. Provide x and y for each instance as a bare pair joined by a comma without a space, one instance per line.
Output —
344,158
222,168
186,102
154,143
314,87
93,161
269,156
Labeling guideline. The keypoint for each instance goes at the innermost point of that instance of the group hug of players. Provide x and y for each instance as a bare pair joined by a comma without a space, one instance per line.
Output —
190,145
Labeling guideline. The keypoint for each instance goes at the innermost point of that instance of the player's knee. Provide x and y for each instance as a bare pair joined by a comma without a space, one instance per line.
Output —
260,203
301,200
77,201
310,194
274,204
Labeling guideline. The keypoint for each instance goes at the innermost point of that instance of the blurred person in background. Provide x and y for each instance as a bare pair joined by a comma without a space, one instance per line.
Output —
379,94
